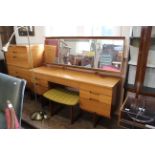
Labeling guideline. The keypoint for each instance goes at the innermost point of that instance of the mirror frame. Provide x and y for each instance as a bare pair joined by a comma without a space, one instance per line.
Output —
91,37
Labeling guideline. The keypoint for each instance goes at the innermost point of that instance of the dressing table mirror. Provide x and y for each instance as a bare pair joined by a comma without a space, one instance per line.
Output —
98,53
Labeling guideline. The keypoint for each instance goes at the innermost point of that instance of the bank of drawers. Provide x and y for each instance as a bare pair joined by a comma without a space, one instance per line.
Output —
98,102
40,83
23,56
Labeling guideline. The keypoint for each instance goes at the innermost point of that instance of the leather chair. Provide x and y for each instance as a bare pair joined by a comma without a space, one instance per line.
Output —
11,89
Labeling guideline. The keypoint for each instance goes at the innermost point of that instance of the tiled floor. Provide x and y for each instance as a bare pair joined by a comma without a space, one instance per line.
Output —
61,120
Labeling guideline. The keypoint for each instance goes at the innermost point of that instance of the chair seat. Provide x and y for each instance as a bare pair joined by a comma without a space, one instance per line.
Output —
62,96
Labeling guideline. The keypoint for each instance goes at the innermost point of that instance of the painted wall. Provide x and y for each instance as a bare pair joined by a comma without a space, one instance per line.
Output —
1,54
38,38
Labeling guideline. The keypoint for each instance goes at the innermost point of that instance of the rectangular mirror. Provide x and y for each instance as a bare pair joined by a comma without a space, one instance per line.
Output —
103,53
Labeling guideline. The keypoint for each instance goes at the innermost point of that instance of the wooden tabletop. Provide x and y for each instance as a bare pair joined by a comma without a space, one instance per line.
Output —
83,77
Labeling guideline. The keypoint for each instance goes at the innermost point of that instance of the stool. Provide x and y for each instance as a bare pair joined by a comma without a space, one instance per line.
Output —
63,96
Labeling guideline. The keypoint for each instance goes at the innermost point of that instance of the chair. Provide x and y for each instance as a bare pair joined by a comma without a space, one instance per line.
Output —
11,89
64,97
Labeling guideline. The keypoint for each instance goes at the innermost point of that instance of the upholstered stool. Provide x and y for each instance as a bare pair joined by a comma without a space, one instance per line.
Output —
63,96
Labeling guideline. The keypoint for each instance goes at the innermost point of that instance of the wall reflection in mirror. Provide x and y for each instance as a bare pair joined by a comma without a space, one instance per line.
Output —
103,54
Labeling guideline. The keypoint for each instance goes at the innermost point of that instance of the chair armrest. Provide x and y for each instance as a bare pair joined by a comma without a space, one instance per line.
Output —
11,118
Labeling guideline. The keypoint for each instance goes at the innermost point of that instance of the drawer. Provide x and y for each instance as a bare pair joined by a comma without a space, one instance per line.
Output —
97,89
40,79
91,95
19,72
17,49
99,108
40,90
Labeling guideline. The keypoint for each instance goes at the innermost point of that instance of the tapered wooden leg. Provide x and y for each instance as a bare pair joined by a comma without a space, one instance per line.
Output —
51,108
94,120
71,114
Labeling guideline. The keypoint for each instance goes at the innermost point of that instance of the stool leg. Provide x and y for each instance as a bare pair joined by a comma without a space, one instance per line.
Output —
51,108
71,114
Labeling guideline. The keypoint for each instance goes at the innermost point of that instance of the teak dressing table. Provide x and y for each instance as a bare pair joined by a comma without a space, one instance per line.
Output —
97,93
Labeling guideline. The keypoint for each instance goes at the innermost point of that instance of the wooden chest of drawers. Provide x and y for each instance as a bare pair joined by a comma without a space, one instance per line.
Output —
23,56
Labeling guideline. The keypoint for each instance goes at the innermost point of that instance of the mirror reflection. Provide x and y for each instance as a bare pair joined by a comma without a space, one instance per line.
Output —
103,54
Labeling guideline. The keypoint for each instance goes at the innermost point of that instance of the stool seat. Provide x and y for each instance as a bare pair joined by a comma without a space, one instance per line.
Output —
62,96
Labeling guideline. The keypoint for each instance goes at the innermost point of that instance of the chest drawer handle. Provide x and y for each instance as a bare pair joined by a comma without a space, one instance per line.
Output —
14,57
92,99
93,93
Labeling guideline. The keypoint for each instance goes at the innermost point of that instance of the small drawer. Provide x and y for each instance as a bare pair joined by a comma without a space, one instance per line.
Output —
39,79
97,89
17,49
100,108
40,90
91,95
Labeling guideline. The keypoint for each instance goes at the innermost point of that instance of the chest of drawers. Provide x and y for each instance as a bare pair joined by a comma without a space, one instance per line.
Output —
25,56
21,58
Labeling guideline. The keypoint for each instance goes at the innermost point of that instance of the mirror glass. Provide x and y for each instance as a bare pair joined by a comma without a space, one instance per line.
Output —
96,53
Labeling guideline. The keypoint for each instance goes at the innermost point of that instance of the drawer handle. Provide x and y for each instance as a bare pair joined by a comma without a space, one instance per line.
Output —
93,93
92,99
14,57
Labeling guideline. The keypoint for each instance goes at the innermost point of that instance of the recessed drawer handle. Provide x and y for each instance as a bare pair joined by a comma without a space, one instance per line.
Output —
14,57
14,51
92,99
94,93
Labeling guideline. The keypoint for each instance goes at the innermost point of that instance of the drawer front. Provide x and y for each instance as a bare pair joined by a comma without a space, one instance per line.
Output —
40,90
97,89
91,95
100,108
18,57
19,72
40,79
17,49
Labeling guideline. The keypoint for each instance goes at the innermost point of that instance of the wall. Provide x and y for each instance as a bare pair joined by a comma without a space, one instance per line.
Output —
38,38
1,54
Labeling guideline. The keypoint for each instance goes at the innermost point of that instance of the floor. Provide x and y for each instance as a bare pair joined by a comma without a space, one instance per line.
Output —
61,120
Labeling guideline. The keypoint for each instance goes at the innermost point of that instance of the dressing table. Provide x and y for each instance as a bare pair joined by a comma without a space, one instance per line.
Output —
97,93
